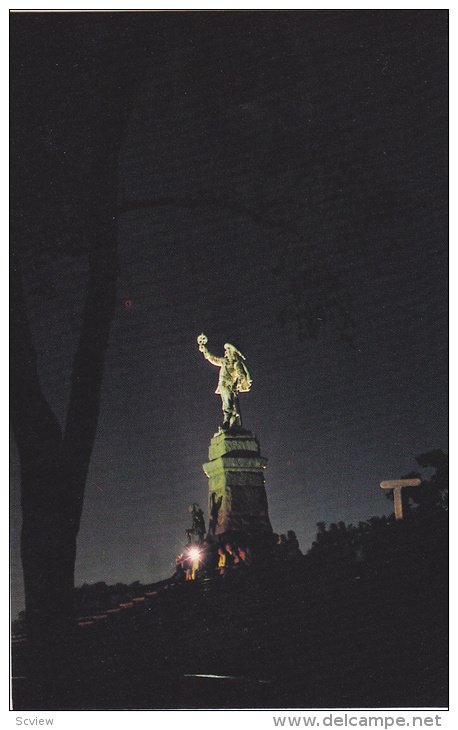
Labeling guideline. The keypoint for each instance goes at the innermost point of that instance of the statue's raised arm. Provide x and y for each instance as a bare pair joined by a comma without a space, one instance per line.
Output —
202,342
234,378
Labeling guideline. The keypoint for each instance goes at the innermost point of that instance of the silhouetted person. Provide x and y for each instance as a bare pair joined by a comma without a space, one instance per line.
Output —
207,559
180,574
232,557
292,545
222,561
244,557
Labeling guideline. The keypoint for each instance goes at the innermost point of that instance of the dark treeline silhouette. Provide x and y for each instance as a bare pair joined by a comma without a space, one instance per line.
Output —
425,518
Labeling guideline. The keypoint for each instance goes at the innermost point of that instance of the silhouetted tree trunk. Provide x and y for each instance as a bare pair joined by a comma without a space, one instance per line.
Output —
54,460
54,464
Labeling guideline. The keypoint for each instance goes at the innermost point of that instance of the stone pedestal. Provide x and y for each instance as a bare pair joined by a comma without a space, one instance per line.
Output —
236,487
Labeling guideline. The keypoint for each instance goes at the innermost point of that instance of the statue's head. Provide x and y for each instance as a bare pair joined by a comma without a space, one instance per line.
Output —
230,351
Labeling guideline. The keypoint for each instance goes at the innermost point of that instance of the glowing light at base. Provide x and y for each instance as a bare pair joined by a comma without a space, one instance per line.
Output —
194,553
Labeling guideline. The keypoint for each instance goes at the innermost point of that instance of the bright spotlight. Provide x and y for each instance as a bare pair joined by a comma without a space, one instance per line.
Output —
194,553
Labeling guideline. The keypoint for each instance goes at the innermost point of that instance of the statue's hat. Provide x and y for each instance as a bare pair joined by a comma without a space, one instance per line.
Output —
234,349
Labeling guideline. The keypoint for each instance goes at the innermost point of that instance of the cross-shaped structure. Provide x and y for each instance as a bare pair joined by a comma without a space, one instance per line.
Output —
397,485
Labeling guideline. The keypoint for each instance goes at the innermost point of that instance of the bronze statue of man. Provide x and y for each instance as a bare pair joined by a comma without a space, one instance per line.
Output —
196,533
234,378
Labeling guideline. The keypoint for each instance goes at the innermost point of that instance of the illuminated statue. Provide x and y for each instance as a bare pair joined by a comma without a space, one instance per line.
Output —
234,378
196,533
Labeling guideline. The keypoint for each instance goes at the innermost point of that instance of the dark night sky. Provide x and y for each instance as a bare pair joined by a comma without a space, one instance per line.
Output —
282,186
